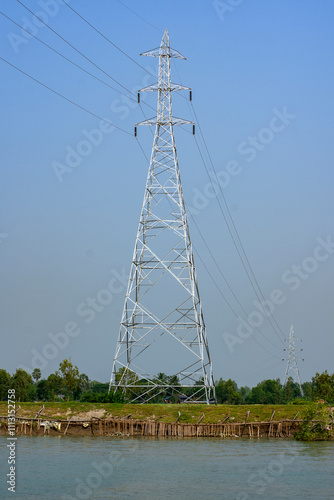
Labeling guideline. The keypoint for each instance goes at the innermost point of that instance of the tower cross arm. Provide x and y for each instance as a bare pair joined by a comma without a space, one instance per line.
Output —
155,87
173,121
162,52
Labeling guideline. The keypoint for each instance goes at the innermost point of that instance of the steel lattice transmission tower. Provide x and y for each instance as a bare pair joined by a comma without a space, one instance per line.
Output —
162,323
292,366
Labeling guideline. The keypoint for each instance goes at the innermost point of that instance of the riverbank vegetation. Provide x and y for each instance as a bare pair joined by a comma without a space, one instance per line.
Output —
318,423
189,413
68,384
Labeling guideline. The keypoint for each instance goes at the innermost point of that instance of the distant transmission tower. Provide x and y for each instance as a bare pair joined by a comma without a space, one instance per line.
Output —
292,366
162,324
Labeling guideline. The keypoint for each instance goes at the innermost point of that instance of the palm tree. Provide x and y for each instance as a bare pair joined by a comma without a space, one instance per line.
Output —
36,374
84,382
162,378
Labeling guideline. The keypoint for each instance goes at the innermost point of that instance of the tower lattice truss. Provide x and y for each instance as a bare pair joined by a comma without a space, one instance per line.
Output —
292,369
162,325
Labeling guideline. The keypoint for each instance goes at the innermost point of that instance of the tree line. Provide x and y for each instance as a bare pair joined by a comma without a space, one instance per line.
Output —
271,391
67,383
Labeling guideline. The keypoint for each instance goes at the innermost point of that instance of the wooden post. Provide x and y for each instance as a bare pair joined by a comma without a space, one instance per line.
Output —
247,416
279,430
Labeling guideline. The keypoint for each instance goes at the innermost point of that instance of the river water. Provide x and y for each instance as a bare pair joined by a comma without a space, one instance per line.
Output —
121,468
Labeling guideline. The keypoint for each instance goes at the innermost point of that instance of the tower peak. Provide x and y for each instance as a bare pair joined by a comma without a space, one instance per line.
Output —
164,50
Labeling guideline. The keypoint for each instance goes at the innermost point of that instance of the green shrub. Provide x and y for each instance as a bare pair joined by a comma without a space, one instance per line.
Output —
317,424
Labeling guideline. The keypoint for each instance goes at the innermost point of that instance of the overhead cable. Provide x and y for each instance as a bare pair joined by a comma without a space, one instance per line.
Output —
63,97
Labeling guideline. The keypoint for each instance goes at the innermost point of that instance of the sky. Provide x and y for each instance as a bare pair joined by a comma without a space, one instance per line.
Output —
71,187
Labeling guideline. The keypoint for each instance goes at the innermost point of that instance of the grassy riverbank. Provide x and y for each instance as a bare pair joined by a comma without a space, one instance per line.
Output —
161,412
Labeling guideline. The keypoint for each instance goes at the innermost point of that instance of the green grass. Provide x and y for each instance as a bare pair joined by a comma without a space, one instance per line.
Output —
163,412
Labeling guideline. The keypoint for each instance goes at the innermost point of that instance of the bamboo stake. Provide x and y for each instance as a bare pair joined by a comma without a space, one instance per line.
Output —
200,420
40,411
272,416
68,423
178,418
247,416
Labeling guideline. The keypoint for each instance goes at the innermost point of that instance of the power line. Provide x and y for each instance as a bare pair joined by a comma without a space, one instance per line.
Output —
212,278
238,239
229,228
109,41
256,369
66,58
142,150
73,47
225,280
133,98
212,256
63,97
135,62
76,65
124,53
106,38
228,211
137,15
229,305
232,235
235,229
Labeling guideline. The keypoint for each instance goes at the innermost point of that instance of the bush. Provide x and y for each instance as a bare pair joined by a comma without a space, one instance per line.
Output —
317,424
300,402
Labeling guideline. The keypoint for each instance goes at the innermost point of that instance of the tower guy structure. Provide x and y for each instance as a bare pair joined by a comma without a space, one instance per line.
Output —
162,324
292,366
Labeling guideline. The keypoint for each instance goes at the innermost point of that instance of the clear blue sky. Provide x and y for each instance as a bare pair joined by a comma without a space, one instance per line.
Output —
262,78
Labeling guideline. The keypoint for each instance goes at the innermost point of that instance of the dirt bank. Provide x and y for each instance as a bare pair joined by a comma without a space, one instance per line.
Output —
132,427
